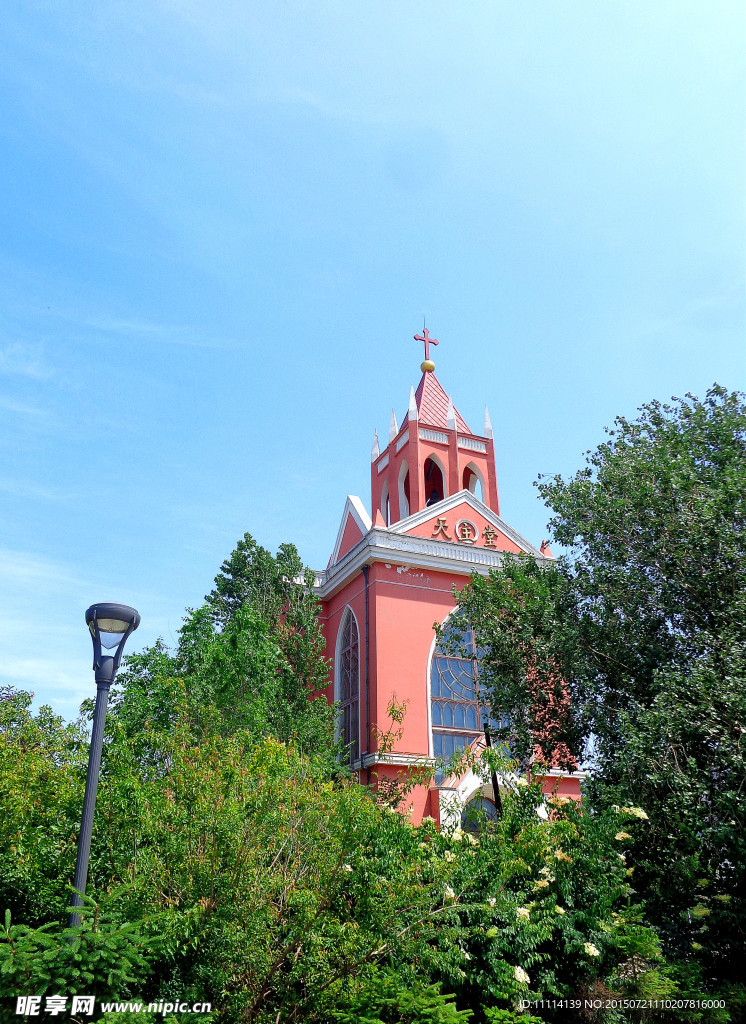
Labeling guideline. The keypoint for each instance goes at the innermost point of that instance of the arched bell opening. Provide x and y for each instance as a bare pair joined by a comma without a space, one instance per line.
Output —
386,505
434,481
403,490
472,481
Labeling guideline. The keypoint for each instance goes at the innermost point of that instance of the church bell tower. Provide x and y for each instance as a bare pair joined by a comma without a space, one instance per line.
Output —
432,455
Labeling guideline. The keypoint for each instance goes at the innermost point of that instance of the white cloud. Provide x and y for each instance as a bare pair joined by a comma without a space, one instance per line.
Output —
165,334
44,644
21,360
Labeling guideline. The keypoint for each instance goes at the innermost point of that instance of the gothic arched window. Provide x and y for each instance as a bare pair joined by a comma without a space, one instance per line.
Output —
458,714
478,810
348,685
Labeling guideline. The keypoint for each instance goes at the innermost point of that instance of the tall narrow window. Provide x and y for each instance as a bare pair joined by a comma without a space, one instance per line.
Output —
385,509
459,712
434,490
403,490
348,689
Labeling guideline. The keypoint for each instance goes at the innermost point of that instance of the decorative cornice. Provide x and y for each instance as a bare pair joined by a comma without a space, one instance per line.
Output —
380,545
471,444
394,544
402,441
383,463
438,436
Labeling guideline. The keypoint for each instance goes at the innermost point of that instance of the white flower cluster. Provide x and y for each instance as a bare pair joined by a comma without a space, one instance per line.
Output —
636,812
520,976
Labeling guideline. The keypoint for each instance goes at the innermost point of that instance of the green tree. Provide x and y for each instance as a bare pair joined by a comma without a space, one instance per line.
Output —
254,652
643,625
42,774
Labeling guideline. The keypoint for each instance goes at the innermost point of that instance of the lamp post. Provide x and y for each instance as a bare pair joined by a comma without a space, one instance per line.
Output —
110,625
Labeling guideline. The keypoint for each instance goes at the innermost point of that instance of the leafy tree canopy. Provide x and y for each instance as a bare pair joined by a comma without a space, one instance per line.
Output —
636,638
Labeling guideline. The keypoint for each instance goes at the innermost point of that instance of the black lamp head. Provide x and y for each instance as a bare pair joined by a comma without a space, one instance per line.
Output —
110,625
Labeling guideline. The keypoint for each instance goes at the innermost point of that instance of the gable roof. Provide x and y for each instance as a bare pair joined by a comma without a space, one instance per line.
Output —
432,405
355,524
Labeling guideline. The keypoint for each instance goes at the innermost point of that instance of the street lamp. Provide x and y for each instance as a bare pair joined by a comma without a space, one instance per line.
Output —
110,625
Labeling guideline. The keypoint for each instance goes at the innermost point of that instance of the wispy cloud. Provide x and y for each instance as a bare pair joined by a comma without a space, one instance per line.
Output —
20,408
30,571
26,489
705,313
162,334
44,644
21,360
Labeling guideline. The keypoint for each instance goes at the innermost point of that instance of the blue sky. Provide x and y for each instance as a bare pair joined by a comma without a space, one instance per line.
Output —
221,224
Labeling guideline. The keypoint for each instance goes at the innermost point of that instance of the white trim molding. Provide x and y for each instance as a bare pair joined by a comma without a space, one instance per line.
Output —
437,436
472,444
383,463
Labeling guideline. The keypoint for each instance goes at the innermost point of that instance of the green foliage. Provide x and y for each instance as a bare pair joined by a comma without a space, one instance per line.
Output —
253,654
280,590
381,998
509,1017
547,903
99,958
42,775
643,625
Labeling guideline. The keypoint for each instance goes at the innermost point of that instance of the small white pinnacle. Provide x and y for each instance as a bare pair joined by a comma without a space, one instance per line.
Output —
487,423
413,413
393,426
451,417
375,450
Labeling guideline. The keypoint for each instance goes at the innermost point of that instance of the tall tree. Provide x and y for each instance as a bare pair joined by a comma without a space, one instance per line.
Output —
644,621
254,652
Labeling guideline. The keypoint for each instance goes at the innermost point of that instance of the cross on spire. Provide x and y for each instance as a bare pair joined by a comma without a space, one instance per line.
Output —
425,336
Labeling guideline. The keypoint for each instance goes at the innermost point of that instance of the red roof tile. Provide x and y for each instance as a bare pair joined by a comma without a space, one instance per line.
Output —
432,405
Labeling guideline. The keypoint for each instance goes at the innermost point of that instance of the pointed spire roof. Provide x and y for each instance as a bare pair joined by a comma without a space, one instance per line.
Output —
393,428
432,405
487,423
375,450
412,413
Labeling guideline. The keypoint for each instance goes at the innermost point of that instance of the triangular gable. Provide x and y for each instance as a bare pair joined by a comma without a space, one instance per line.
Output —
354,526
463,519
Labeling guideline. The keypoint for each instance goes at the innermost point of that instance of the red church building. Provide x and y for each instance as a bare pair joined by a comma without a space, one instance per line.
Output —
435,519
